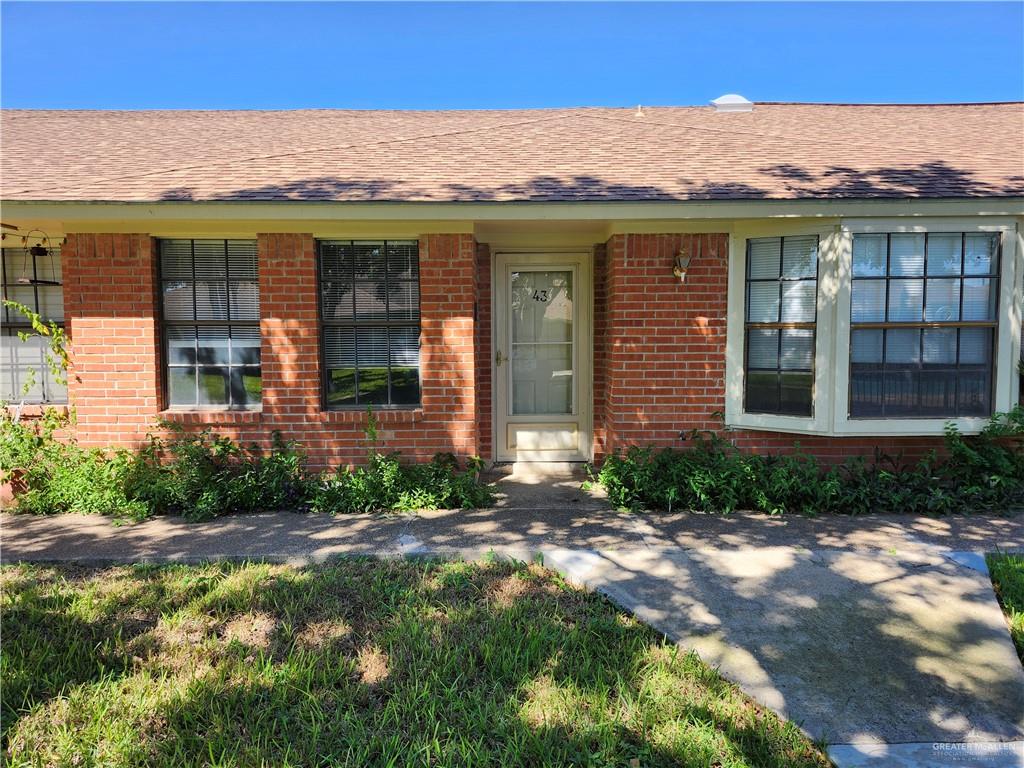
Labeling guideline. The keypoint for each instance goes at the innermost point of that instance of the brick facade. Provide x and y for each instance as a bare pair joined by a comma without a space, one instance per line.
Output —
111,297
659,351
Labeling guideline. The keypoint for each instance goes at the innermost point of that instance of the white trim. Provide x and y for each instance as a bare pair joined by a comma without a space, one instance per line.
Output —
832,350
107,213
1015,315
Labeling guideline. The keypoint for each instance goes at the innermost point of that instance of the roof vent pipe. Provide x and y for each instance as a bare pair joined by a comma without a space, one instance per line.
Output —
732,102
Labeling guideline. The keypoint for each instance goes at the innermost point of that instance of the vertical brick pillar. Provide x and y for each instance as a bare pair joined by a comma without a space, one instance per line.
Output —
289,330
666,339
448,290
600,337
111,308
484,352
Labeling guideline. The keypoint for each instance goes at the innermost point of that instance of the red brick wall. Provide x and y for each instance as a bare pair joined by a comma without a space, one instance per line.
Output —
665,350
484,352
110,300
112,303
666,354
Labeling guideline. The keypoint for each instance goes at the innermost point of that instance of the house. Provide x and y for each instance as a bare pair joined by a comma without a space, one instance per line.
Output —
523,284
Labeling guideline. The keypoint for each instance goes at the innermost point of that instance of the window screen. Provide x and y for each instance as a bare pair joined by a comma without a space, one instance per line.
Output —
370,312
34,281
211,311
923,322
781,313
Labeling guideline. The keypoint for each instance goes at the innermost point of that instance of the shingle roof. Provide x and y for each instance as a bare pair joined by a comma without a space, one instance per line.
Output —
777,151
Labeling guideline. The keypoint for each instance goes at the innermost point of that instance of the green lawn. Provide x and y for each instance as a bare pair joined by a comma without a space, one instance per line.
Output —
363,662
1008,578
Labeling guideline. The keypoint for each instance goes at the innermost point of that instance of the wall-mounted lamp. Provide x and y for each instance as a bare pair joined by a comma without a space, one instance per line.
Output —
682,263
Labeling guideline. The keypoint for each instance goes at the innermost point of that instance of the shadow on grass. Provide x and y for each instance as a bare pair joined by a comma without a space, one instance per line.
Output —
366,662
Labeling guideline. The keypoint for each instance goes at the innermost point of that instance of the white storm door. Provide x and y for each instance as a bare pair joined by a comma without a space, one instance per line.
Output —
542,357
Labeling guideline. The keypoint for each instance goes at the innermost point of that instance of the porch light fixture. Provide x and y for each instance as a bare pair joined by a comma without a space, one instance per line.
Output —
41,248
681,264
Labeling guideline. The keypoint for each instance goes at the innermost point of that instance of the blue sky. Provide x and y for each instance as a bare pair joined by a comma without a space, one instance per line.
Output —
394,55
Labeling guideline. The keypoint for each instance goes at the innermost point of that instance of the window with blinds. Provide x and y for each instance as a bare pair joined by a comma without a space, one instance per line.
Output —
781,312
211,312
923,324
370,315
34,281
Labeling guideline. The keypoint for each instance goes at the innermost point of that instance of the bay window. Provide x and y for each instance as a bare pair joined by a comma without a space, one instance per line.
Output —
857,326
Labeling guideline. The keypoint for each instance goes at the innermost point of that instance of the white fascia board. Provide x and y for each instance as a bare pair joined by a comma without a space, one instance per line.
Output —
618,213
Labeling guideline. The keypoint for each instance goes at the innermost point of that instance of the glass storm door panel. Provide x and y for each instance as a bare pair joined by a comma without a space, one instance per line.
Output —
542,342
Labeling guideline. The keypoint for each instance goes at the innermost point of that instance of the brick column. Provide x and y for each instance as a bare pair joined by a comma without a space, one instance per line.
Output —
289,331
600,338
484,352
448,290
110,303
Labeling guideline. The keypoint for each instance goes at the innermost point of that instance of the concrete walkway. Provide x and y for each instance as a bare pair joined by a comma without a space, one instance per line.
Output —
871,633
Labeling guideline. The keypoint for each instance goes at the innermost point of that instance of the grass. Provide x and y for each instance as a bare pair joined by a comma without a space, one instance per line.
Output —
1008,579
363,662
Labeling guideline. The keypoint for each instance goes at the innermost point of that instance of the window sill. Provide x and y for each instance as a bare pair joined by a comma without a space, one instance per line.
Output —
862,427
212,416
383,417
909,427
36,410
804,425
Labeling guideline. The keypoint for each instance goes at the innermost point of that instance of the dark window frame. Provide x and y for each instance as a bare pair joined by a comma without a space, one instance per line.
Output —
356,324
15,323
780,326
196,324
958,325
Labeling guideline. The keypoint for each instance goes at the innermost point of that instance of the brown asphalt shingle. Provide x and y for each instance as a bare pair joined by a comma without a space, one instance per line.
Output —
778,151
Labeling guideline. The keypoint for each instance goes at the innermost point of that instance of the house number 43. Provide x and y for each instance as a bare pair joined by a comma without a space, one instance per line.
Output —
541,295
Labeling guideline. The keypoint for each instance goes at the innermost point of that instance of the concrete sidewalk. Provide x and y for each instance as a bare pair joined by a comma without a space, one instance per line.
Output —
869,632
311,538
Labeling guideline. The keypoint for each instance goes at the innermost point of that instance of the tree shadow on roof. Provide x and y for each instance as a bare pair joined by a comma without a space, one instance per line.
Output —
937,179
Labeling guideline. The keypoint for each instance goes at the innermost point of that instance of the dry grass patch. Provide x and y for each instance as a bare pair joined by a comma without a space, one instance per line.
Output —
251,629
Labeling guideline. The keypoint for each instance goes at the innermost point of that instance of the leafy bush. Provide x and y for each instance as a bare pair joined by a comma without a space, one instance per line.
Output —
978,473
204,475
386,484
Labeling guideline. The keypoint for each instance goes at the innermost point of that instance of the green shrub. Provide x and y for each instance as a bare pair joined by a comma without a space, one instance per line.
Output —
66,478
1007,572
978,473
205,475
386,484
60,476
